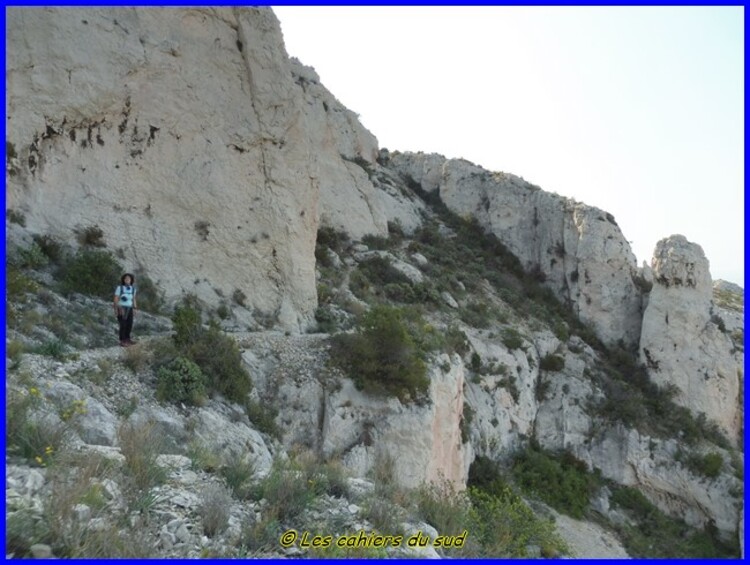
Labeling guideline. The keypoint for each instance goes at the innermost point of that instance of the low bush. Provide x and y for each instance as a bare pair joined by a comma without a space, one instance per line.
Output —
445,508
378,242
561,481
456,341
326,319
213,509
202,457
511,338
708,465
181,381
219,357
94,273
31,257
16,217
150,296
137,358
238,473
476,314
91,236
552,362
52,248
286,490
140,444
54,348
30,434
263,417
331,238
383,356
216,353
656,535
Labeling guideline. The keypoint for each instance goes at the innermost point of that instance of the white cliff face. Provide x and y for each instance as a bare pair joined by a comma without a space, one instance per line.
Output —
680,342
578,250
423,441
191,140
326,413
649,463
344,151
504,404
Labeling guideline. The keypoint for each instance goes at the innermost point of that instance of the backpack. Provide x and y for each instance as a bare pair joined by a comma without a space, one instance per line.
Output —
121,293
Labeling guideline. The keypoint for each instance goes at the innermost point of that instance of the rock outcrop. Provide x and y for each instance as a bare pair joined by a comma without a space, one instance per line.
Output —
320,411
192,141
683,344
578,250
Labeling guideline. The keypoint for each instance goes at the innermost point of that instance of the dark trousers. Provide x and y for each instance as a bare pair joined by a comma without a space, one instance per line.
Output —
125,318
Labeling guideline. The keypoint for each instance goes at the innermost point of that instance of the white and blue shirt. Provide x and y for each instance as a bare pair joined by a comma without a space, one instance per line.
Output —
126,294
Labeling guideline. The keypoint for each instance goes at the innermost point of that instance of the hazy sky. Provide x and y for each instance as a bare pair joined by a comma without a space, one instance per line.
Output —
636,110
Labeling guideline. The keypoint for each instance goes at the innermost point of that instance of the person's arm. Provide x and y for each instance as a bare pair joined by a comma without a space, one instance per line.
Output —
117,300
135,302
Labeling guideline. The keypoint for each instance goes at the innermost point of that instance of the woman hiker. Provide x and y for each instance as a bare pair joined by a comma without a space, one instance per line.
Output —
125,305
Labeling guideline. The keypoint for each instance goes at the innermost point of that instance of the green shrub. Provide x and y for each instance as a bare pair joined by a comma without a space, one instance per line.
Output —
18,284
54,348
91,236
181,381
263,417
140,444
329,237
223,311
214,509
186,322
456,341
511,338
239,297
286,490
238,473
505,526
485,475
552,362
377,242
219,357
445,508
326,319
656,535
95,273
476,314
31,257
562,481
29,435
708,465
476,362
150,296
217,354
52,248
382,357
16,217
380,272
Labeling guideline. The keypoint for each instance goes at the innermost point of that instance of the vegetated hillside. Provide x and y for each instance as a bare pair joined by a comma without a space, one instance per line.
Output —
200,441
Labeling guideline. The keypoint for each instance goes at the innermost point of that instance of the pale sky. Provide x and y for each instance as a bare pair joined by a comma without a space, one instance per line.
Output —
636,110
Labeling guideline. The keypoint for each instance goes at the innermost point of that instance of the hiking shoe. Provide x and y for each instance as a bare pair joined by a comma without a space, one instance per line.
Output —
130,342
123,344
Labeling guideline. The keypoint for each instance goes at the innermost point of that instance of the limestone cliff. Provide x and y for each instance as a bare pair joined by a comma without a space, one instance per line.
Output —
578,250
194,143
683,343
